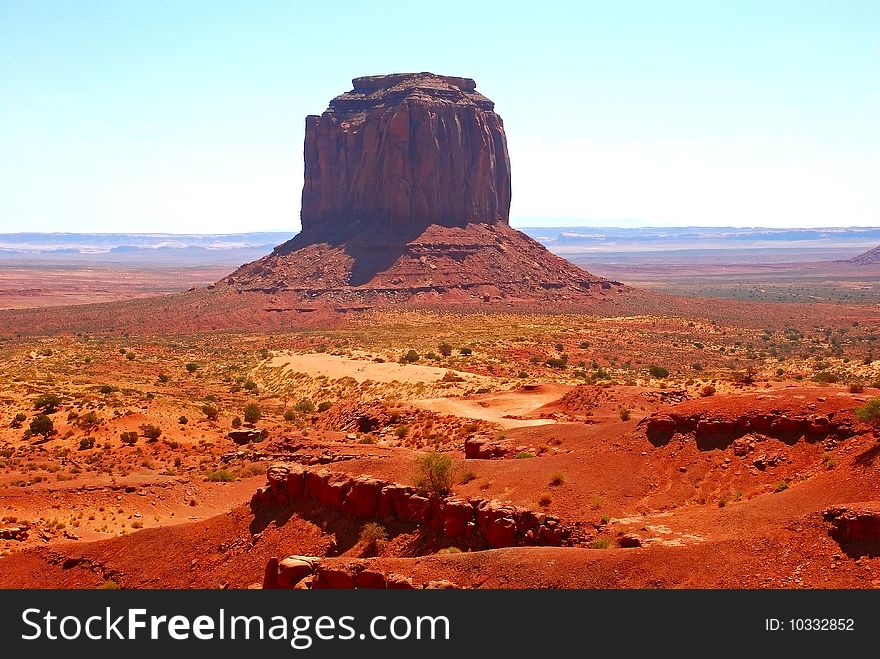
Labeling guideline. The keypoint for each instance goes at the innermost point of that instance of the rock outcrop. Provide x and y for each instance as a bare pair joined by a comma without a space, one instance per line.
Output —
314,573
406,150
406,197
477,523
855,527
871,257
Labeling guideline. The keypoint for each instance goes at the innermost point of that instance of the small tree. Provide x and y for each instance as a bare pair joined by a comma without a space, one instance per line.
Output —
42,425
210,412
658,371
19,418
236,422
411,357
434,474
129,437
192,367
48,403
252,413
465,351
445,349
151,432
305,406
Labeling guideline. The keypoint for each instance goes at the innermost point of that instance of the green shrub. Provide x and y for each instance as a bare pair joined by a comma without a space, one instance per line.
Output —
130,356
658,371
545,500
151,432
434,474
825,376
106,389
325,405
48,403
252,413
707,391
305,406
411,357
129,438
41,425
557,479
236,422
445,349
465,351
289,415
600,543
86,443
192,367
182,420
781,486
210,412
373,533
524,455
401,431
625,414
869,412
221,476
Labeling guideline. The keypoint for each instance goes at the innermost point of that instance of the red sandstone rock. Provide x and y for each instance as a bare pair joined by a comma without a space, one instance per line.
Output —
334,578
296,483
362,499
293,569
435,152
406,194
370,579
270,575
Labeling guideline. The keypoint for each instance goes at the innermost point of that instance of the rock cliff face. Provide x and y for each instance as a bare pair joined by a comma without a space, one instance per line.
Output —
406,198
406,150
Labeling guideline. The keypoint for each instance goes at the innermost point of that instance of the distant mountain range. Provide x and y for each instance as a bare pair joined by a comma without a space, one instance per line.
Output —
234,249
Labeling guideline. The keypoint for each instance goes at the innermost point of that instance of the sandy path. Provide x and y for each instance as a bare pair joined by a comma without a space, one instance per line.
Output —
499,408
335,367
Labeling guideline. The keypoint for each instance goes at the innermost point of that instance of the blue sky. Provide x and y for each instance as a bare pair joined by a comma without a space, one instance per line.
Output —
188,116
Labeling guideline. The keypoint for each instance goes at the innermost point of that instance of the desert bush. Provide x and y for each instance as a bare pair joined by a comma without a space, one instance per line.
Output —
252,413
401,431
467,477
130,356
373,534
707,391
163,377
583,345
445,349
129,438
305,406
191,367
556,362
182,420
465,351
434,474
107,389
658,371
325,405
41,425
600,543
88,420
18,419
781,486
86,443
221,476
411,357
856,388
825,376
210,412
249,385
524,455
151,432
545,500
48,403
236,422
289,415
557,479
625,414
869,412
449,550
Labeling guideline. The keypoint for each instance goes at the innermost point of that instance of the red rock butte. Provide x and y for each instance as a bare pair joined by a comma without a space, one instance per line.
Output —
406,196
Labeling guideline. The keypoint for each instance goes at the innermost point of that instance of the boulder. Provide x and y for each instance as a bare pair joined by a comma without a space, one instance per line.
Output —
362,500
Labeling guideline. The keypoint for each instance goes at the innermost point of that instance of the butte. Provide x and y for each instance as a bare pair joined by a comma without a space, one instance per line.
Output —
406,197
